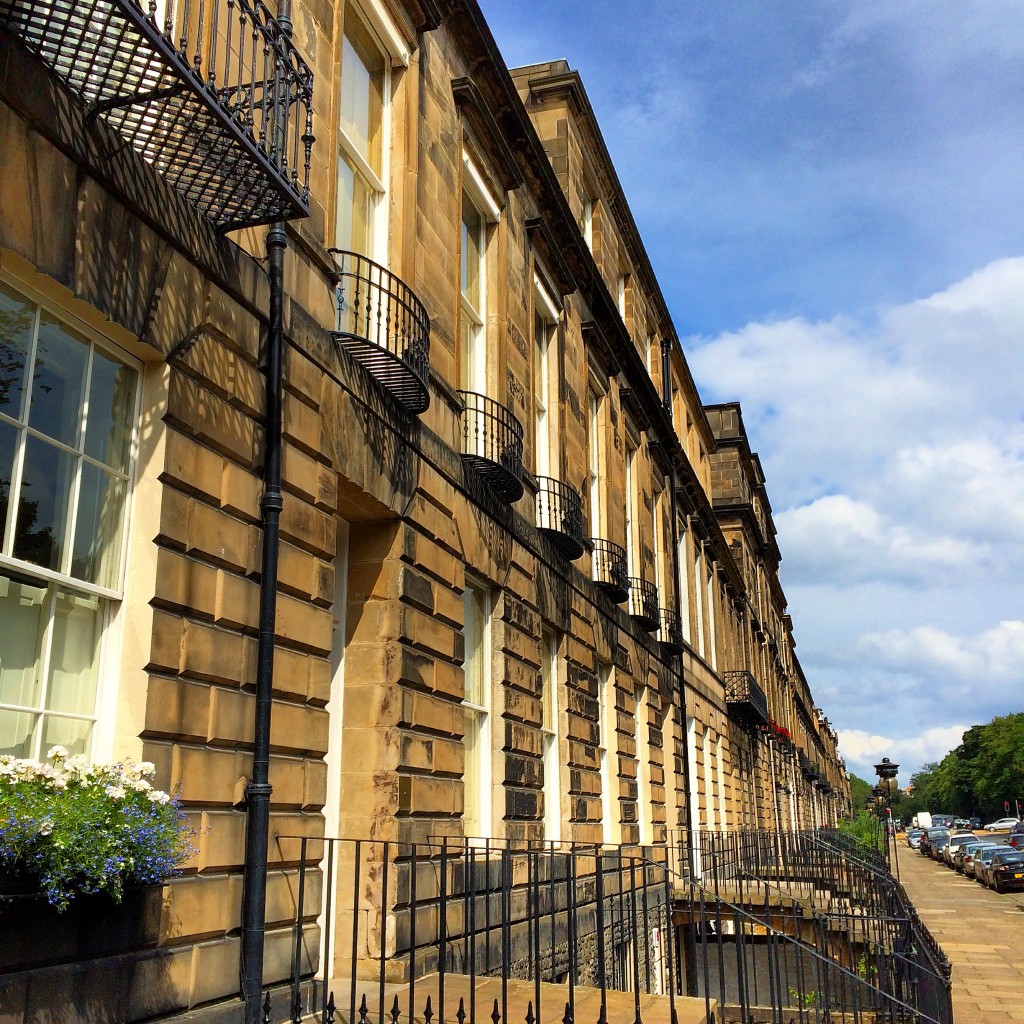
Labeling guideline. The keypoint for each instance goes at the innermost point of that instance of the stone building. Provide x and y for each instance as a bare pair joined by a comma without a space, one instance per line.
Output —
527,584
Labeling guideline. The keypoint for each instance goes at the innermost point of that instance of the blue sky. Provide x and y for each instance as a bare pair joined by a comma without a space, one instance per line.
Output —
832,195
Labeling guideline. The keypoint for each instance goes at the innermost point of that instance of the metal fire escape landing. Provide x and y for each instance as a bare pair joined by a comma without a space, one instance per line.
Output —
211,93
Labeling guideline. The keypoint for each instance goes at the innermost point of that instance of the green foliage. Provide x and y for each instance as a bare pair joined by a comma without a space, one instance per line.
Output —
978,776
865,828
73,828
860,790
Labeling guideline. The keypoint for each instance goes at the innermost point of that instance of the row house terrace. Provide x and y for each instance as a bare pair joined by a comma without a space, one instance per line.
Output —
351,473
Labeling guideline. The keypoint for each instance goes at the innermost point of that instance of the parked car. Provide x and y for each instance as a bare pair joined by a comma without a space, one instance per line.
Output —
955,841
968,854
1002,825
936,845
982,858
974,823
1005,870
914,838
1016,836
930,835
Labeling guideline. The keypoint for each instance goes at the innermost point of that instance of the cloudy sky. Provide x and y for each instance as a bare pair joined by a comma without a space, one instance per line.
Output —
832,194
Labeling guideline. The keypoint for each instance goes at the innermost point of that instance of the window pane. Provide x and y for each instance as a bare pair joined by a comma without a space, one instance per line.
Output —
76,633
16,319
71,733
8,440
23,615
16,733
472,225
111,398
354,211
43,504
96,552
475,634
57,381
362,90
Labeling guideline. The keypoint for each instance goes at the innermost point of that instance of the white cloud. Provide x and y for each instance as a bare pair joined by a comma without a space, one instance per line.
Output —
863,750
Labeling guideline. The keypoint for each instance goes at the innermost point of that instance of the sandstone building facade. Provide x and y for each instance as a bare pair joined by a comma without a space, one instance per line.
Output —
528,584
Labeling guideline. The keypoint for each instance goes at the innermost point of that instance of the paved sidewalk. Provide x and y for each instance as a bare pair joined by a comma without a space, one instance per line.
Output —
980,931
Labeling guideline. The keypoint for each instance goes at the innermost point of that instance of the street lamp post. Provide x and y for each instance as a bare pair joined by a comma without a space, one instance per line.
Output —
886,772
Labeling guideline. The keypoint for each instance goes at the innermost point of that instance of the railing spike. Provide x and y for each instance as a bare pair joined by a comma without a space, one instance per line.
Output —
331,1009
364,1011
529,1012
495,1013
460,1015
428,1012
396,1012
567,1016
266,1008
297,1008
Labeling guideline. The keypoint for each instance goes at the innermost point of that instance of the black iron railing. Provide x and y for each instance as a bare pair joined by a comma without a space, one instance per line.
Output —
848,908
745,699
475,931
492,443
643,604
381,323
560,516
671,632
211,93
610,569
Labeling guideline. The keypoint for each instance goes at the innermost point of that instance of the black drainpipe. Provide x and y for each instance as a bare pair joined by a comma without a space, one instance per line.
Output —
258,790
689,932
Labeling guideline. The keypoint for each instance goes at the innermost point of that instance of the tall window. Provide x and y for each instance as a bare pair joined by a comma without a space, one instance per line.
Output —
684,583
700,584
545,318
549,732
67,409
362,102
643,769
607,755
631,557
479,210
588,223
594,460
658,536
712,644
477,707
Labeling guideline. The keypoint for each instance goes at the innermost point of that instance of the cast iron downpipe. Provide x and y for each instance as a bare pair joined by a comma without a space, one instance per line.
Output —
258,790
689,944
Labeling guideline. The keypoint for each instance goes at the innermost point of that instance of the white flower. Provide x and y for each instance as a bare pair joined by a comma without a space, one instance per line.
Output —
56,752
146,768
141,786
46,828
114,792
60,782
157,796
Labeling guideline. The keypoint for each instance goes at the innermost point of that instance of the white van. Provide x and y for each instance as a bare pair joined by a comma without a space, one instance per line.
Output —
923,819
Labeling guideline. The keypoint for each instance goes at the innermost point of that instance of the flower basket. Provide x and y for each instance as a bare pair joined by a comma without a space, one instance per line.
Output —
69,829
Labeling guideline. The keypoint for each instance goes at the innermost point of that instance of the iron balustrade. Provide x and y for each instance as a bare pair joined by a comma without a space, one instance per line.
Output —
643,604
394,931
211,93
492,444
560,516
745,699
383,326
610,569
826,886
671,630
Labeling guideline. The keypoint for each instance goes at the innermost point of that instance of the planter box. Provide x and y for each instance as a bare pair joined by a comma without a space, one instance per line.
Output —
36,935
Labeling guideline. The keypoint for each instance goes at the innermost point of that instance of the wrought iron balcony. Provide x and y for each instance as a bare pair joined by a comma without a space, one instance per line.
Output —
382,325
610,569
492,443
211,93
746,700
643,604
560,516
671,630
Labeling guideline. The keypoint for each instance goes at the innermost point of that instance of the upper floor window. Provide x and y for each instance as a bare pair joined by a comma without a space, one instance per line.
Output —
479,211
632,537
545,320
549,733
594,474
67,415
588,223
607,750
363,101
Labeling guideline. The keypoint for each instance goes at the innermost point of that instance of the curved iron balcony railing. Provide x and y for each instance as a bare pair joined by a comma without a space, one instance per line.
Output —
492,443
671,632
214,96
383,326
560,516
610,569
643,604
745,699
